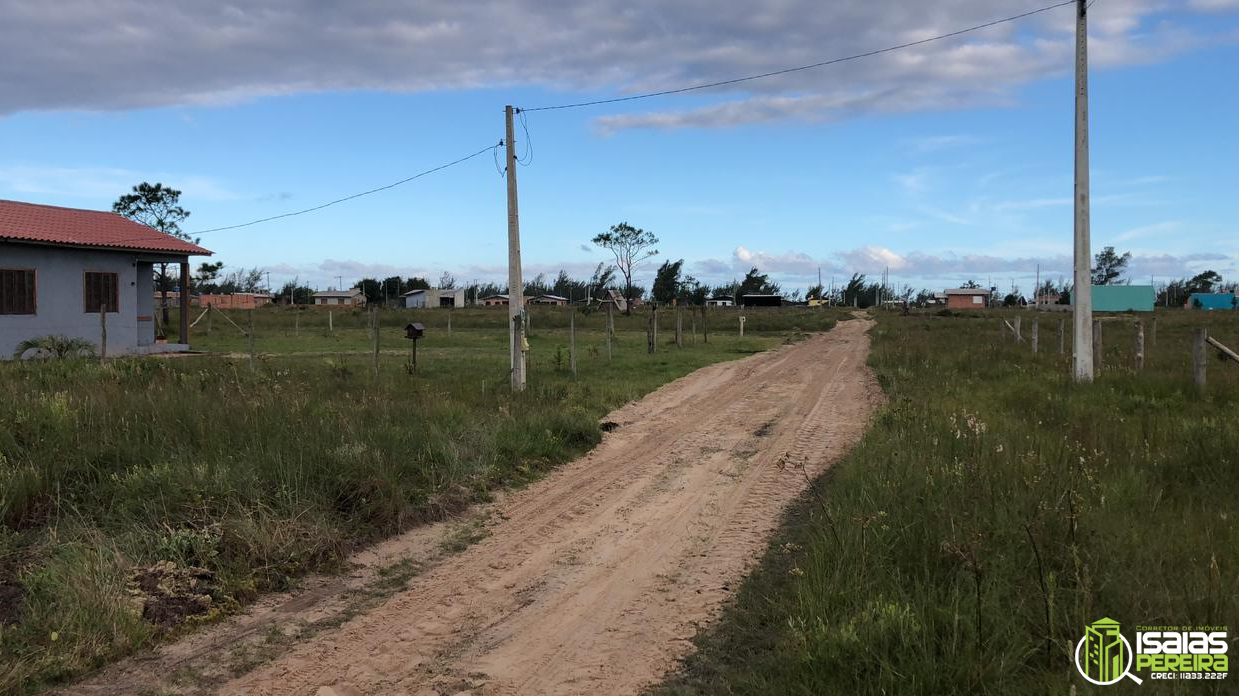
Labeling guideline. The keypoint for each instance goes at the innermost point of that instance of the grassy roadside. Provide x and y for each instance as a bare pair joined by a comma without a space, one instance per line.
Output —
139,497
992,510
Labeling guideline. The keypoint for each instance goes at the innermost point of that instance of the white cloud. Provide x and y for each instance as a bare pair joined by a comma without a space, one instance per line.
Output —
792,269
787,264
121,54
102,182
1214,5
1155,230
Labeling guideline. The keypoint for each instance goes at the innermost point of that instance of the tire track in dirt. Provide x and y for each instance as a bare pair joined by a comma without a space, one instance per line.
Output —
596,578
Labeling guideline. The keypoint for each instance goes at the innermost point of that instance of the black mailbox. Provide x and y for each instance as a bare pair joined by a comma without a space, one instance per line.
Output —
414,331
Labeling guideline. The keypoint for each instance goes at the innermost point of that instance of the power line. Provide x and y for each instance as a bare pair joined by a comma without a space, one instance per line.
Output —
392,185
833,61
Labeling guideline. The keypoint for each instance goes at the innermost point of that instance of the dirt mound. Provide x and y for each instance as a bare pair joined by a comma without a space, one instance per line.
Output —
169,594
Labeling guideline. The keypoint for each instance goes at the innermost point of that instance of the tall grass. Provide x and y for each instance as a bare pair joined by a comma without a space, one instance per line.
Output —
994,509
258,475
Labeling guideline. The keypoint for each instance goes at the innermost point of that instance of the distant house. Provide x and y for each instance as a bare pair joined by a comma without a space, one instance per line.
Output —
352,297
434,297
61,267
500,300
613,298
172,300
1210,301
553,300
1123,298
235,300
720,302
757,300
966,298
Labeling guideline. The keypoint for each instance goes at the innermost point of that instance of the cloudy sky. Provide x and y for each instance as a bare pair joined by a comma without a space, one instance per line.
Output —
943,162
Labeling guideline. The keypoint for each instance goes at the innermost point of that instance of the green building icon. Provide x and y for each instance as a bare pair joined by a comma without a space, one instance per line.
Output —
1104,658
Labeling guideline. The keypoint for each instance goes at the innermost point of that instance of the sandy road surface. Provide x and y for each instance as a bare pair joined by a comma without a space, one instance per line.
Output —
594,579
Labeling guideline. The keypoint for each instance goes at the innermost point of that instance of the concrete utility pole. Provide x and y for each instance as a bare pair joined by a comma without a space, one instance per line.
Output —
1082,293
1037,290
516,285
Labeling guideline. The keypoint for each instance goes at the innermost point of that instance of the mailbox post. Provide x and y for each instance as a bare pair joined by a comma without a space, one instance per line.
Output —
413,332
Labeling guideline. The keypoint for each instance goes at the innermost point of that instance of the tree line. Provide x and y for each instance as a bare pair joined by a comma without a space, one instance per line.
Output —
158,207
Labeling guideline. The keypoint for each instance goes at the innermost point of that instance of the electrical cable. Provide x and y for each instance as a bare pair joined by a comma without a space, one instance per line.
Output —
528,158
833,61
392,185
495,154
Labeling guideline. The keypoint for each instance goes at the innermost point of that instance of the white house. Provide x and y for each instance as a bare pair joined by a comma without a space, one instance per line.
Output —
60,267
352,297
434,297
720,302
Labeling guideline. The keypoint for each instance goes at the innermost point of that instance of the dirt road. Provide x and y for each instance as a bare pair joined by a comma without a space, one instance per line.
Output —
595,579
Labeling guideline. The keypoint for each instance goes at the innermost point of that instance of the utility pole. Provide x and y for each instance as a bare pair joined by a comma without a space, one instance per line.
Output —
516,286
1082,293
1037,289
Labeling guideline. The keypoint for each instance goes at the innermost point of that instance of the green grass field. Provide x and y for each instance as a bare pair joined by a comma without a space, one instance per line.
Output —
993,509
258,472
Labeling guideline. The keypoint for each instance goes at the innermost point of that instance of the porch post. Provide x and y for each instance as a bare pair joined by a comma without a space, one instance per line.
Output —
185,301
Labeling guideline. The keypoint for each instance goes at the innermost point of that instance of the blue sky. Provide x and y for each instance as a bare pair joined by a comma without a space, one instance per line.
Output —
948,163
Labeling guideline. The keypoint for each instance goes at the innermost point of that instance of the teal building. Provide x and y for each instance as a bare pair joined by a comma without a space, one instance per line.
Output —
1123,298
1210,300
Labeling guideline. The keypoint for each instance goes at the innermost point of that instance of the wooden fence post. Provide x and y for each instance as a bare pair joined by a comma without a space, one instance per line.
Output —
1153,333
374,332
1035,336
679,327
705,327
330,326
1139,345
649,333
1097,345
1199,356
250,335
692,317
449,323
1002,329
655,327
103,330
210,315
610,327
1062,336
1019,337
572,340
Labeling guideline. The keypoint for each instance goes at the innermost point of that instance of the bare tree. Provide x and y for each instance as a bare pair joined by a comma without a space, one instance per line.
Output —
631,246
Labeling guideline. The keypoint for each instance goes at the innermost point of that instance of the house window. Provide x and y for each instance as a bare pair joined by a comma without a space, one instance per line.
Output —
101,289
17,291
977,299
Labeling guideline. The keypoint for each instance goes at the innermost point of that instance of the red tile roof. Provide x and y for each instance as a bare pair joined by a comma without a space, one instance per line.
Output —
30,222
